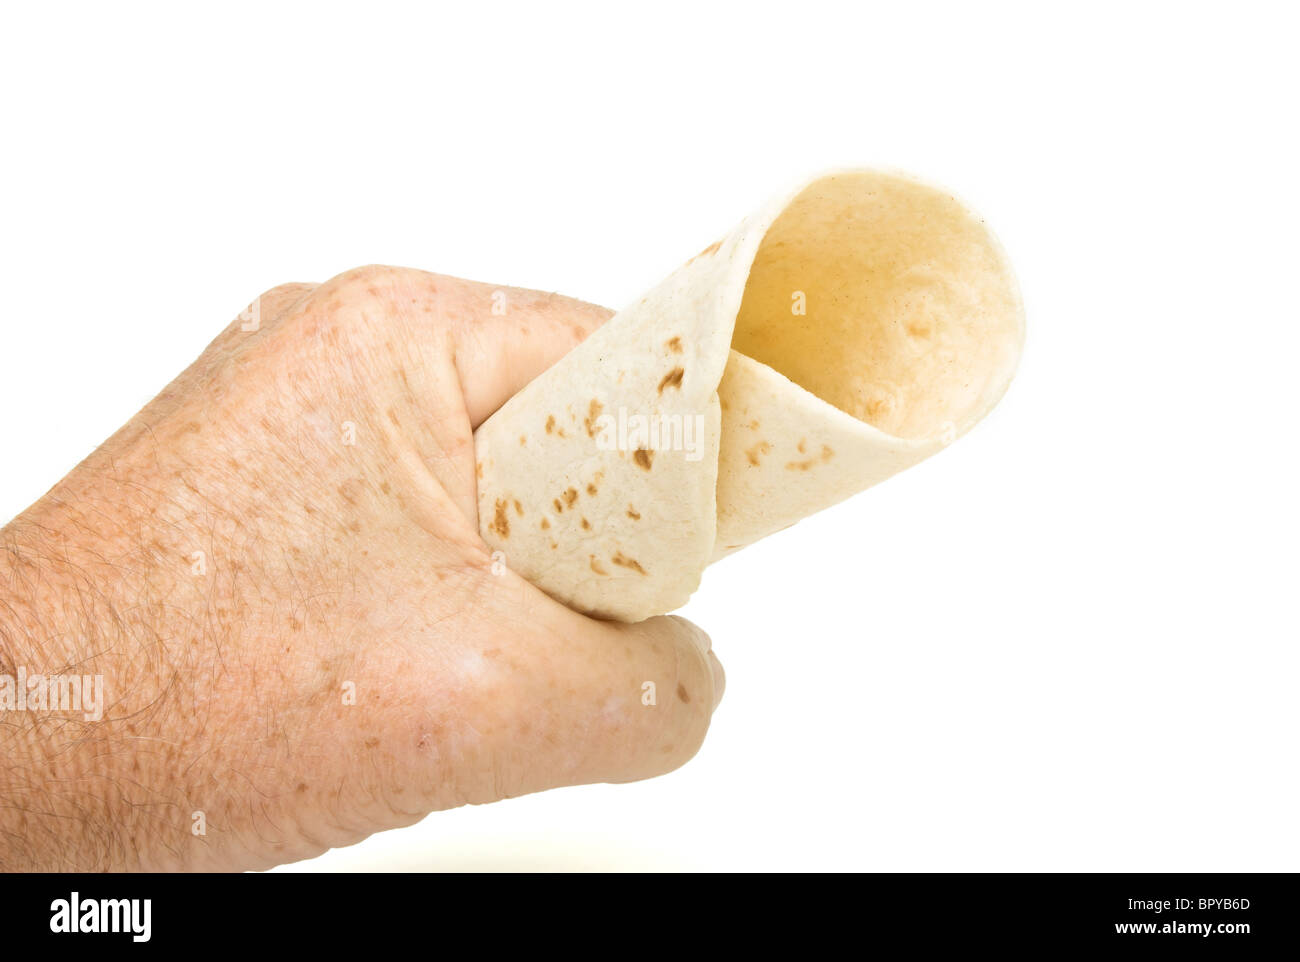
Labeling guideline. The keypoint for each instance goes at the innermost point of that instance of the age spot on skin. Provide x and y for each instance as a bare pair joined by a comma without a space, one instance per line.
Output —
351,490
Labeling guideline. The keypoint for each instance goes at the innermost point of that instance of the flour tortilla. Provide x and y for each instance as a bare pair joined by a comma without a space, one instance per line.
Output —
843,333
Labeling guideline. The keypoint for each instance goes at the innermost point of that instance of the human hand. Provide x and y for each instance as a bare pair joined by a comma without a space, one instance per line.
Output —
276,569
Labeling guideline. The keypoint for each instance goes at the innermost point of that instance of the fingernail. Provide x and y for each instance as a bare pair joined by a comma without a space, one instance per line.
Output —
719,679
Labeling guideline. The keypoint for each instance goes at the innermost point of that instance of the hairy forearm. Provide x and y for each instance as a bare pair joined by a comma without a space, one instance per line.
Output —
123,577
84,680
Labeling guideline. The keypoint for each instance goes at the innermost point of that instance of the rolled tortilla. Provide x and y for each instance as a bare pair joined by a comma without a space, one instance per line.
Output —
843,333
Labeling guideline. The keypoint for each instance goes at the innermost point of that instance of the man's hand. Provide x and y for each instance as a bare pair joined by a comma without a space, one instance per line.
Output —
275,569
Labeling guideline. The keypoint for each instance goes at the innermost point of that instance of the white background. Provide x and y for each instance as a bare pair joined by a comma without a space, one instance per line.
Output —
1068,642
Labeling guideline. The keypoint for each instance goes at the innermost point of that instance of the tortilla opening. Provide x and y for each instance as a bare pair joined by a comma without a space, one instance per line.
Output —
887,299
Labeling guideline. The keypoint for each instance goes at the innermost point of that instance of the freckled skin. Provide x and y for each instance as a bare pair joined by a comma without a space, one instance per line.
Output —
349,661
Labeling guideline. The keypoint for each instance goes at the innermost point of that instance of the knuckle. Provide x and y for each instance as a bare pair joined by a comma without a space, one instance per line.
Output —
369,280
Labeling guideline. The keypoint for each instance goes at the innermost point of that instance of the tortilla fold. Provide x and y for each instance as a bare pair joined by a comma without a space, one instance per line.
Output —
840,335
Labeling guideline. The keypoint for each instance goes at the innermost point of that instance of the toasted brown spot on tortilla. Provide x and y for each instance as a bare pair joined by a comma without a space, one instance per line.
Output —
392,416
672,379
550,423
675,345
593,412
522,440
644,458
478,469
826,455
385,487
596,566
546,524
554,545
757,451
879,406
753,425
559,508
711,249
500,523
920,327
682,693
586,525
623,561
591,489
571,496
519,509
803,445
633,513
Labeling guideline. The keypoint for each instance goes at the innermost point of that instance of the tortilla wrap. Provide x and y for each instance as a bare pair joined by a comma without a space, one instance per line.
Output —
843,333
